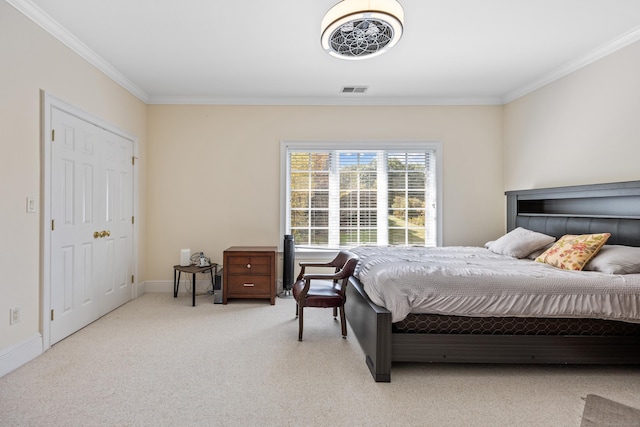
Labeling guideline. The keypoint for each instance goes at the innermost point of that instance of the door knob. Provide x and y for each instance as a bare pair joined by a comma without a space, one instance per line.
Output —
96,234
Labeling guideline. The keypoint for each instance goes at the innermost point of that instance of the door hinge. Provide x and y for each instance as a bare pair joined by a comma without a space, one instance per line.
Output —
132,281
53,224
133,160
53,135
52,312
133,220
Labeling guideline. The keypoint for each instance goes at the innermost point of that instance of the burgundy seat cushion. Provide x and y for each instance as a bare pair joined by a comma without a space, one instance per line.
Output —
322,293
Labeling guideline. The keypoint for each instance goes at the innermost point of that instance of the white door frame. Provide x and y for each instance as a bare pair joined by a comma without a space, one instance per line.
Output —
48,102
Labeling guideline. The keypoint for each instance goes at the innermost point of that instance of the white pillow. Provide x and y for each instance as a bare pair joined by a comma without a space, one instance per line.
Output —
535,254
616,259
519,242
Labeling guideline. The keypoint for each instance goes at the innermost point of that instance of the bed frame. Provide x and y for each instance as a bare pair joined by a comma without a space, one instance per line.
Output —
613,208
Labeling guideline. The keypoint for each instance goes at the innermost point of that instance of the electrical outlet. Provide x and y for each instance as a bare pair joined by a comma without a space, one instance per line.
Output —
14,315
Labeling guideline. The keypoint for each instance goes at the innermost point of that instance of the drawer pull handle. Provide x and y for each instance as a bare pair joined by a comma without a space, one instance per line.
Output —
248,265
249,285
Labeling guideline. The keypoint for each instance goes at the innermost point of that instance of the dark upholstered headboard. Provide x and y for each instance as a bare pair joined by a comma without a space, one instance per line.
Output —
612,208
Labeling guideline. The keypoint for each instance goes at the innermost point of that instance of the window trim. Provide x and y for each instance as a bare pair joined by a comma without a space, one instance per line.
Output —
356,145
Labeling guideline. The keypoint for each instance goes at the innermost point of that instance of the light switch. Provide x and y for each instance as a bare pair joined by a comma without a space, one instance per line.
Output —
31,205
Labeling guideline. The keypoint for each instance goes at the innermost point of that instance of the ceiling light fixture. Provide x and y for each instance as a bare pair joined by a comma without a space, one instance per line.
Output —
358,29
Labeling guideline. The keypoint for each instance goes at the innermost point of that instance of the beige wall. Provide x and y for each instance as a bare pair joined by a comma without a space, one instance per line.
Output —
581,129
32,60
214,171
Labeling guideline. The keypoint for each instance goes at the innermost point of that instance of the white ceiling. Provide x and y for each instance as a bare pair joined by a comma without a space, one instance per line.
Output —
268,52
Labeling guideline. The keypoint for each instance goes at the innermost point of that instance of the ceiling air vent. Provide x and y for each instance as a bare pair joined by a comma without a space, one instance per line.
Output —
354,89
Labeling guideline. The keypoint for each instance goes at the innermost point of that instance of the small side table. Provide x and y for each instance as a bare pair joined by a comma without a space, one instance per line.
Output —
193,269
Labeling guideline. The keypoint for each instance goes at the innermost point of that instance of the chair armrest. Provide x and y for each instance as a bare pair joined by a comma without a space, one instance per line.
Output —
315,264
304,265
334,276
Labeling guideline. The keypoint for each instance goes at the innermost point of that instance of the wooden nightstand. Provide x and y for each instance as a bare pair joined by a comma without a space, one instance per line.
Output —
249,272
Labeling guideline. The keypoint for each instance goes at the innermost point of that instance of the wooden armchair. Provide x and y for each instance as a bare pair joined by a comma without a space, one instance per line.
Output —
324,290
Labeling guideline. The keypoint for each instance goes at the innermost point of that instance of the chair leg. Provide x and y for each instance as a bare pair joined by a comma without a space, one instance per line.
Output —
296,309
335,312
300,323
343,322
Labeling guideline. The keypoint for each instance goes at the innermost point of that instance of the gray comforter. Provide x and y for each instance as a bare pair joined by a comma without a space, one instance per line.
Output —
473,281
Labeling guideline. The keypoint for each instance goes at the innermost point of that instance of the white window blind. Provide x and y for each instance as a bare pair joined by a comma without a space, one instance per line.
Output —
337,198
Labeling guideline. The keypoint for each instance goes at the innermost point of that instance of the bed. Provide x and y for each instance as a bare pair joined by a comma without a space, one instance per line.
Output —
612,208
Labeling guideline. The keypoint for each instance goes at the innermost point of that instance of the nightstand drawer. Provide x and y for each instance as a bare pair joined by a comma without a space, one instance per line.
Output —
250,284
249,265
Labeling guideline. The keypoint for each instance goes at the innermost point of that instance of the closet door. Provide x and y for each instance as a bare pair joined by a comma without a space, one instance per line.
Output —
91,249
116,220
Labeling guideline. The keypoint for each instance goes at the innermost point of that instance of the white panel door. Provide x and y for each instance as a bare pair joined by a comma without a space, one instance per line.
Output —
91,249
116,216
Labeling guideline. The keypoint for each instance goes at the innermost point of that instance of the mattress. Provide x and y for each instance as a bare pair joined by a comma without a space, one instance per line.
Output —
473,281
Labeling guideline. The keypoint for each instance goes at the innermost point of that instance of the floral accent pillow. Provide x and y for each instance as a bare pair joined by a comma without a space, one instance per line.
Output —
573,252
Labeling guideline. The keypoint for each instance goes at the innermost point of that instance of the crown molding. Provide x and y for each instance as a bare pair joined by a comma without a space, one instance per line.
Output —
572,66
329,101
37,15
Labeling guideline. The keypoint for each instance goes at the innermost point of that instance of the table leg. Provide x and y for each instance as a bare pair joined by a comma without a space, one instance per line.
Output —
176,282
193,289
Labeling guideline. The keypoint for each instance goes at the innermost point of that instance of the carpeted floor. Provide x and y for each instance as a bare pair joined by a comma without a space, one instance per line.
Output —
158,361
602,412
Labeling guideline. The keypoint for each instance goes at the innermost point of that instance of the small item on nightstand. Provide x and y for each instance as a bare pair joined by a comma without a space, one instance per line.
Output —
185,257
199,259
203,262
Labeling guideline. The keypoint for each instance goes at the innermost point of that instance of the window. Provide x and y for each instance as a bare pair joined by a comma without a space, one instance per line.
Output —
339,195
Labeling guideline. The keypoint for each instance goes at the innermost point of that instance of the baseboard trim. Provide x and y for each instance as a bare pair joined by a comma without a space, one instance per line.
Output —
140,289
17,355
